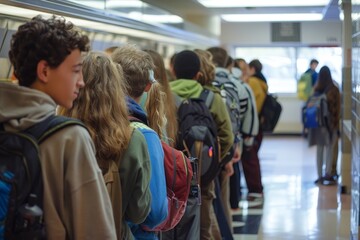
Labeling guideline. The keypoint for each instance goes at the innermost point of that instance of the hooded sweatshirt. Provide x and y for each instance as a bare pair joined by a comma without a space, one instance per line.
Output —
185,89
159,203
76,203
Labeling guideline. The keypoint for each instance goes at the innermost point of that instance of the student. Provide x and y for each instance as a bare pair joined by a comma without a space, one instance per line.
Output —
249,129
187,70
312,70
170,110
46,55
326,141
250,158
139,78
207,76
114,139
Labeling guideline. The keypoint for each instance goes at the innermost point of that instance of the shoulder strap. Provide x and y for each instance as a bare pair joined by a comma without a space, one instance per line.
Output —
207,96
41,131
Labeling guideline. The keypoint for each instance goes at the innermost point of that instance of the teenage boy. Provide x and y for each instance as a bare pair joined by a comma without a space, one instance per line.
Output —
46,55
187,70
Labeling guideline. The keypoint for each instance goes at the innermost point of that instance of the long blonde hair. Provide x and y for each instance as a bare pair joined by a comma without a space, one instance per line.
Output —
102,107
170,110
207,67
137,66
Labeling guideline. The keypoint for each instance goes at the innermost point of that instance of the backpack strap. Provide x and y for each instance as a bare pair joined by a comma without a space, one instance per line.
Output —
41,131
207,96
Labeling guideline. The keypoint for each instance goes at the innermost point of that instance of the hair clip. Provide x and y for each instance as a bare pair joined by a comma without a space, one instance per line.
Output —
151,76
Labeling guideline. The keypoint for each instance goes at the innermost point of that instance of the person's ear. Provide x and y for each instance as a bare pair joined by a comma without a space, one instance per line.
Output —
147,88
42,71
198,75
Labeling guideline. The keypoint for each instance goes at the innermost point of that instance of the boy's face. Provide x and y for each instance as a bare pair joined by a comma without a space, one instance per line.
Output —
65,80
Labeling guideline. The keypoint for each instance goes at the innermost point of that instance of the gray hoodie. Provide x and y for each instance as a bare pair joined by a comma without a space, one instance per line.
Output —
76,202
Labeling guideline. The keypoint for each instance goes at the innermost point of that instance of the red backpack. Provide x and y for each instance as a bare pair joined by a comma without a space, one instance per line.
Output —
178,174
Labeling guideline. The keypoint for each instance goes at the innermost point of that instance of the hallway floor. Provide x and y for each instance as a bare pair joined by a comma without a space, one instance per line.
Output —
294,207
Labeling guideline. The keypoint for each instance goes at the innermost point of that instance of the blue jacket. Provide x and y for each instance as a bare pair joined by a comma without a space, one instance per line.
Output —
314,76
159,203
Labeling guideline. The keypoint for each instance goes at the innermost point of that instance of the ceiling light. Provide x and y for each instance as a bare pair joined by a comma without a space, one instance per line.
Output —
163,18
292,17
262,3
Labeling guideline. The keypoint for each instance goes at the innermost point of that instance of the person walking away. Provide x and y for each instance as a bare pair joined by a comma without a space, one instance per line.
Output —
325,137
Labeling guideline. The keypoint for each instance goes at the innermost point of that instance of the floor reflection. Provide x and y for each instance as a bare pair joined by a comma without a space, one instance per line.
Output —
294,207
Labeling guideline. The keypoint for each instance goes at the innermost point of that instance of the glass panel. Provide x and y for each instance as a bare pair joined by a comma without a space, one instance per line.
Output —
282,66
278,66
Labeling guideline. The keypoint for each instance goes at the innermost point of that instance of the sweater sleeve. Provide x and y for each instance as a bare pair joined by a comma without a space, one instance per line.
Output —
223,123
159,203
135,179
87,200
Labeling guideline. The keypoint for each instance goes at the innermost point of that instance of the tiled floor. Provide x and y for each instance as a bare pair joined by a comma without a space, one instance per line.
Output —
294,208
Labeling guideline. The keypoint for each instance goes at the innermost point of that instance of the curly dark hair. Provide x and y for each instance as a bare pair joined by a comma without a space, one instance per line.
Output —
39,39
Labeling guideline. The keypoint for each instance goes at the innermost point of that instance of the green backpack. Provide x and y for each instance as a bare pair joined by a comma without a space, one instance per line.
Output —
304,86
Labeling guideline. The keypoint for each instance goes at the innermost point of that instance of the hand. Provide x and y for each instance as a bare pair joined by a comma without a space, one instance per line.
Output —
229,169
237,154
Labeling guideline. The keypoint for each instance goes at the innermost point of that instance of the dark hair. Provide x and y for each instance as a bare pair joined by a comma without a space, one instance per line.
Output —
314,61
220,56
324,81
186,64
256,64
230,61
51,40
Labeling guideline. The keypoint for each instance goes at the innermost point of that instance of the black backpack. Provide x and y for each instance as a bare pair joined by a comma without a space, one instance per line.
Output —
21,186
197,134
270,113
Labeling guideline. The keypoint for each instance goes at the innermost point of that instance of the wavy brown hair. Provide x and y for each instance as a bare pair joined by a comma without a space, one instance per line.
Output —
170,110
102,107
207,67
39,39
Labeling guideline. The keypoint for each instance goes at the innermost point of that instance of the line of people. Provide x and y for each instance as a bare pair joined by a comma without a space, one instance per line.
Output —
105,90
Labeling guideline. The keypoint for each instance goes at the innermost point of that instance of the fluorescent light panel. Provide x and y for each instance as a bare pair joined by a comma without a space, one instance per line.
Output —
164,18
293,17
262,3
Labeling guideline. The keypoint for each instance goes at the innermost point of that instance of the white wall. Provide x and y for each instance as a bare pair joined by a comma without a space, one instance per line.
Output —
257,34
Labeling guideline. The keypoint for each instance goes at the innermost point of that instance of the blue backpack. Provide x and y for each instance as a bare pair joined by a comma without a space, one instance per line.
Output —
316,113
21,186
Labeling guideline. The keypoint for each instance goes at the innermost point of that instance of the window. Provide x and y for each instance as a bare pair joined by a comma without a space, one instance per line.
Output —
282,66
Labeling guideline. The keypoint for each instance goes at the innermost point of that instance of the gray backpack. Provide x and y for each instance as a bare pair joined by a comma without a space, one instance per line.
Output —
229,93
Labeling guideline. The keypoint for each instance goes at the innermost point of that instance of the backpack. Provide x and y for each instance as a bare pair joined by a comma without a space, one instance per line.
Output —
113,185
304,86
316,113
178,175
21,186
197,135
270,113
230,96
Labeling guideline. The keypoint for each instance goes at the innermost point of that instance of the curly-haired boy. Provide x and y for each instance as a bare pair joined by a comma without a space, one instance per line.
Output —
46,55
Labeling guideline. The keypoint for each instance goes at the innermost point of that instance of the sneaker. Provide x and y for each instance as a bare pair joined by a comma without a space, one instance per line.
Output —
319,180
329,180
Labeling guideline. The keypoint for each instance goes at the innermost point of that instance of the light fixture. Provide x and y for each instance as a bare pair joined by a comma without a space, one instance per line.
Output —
158,18
290,17
262,3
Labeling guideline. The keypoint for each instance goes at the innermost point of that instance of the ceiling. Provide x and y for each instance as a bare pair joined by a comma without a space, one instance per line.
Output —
185,8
